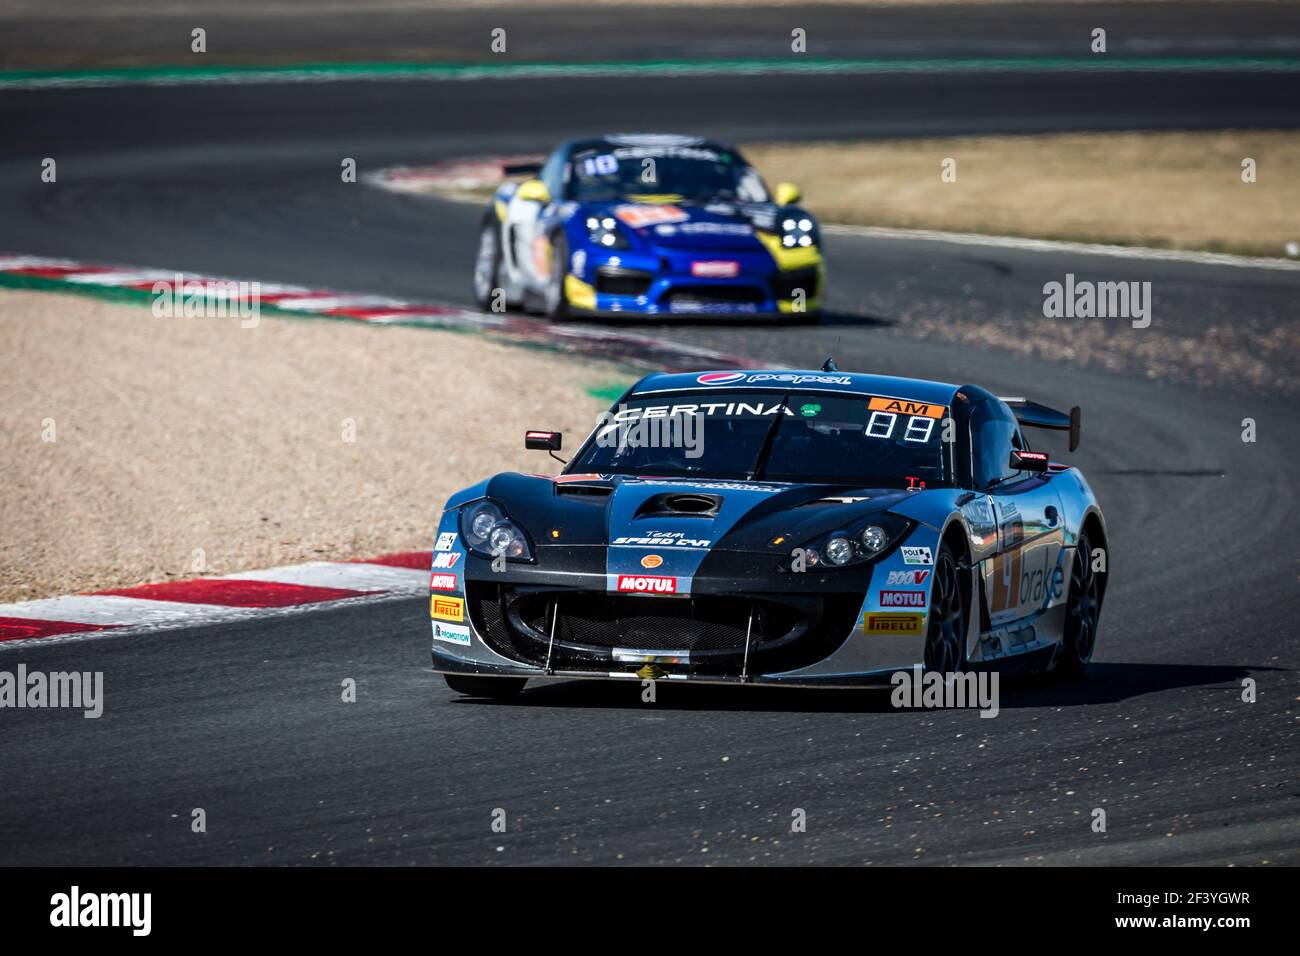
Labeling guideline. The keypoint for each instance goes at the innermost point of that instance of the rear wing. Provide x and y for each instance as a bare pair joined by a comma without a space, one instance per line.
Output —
1035,415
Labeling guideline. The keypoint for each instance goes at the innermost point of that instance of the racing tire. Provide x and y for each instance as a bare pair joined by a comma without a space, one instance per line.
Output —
945,636
497,688
556,302
487,264
1082,615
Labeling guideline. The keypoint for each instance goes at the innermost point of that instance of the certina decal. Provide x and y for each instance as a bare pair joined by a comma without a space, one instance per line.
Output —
907,577
447,560
663,539
902,599
730,409
779,378
892,624
451,633
442,582
447,608
647,584
917,555
446,541
651,561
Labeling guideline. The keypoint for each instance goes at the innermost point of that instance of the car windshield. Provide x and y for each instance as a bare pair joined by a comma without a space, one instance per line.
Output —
690,172
861,440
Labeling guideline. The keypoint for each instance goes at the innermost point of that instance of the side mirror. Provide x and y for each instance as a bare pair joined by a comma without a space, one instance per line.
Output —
787,193
1029,460
535,440
534,190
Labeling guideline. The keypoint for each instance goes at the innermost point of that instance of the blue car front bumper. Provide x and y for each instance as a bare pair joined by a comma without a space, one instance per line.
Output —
718,284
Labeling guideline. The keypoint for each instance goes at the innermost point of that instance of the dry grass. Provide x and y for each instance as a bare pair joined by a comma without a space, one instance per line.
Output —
180,434
1170,190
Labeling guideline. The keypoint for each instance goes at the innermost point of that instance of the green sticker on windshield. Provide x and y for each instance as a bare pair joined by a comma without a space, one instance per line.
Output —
809,411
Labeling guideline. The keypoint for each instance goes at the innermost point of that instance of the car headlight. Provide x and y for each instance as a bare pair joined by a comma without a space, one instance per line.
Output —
603,231
488,532
798,230
863,541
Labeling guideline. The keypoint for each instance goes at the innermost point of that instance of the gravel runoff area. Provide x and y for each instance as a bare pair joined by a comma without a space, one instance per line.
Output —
1169,190
137,449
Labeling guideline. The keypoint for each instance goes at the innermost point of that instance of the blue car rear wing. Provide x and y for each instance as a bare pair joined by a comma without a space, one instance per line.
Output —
1035,415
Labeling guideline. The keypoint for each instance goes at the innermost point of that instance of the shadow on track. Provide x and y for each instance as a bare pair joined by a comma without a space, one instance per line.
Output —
667,324
1106,683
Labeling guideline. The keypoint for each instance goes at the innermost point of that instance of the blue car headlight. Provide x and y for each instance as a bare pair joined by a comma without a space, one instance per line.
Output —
798,230
855,544
488,532
603,232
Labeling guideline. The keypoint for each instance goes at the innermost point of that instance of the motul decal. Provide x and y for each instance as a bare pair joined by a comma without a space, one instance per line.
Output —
647,584
902,599
442,582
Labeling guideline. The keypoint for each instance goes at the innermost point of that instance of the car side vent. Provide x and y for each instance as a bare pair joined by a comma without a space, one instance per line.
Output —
681,505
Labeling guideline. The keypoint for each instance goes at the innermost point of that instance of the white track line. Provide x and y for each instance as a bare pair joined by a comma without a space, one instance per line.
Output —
1060,246
337,574
121,611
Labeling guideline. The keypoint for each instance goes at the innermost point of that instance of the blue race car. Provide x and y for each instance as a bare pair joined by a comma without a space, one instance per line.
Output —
648,225
813,528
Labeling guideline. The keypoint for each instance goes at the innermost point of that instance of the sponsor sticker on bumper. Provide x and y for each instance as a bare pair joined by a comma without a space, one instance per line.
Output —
647,584
446,608
892,624
909,598
715,269
451,633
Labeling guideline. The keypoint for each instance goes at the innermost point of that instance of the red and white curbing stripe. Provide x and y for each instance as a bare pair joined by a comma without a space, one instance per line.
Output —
649,352
210,600
452,177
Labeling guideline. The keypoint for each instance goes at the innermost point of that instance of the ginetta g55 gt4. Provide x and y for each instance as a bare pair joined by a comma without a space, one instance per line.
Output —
644,225
796,528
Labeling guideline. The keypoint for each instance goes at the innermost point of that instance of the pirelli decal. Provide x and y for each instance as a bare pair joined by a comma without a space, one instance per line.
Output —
892,624
900,406
446,608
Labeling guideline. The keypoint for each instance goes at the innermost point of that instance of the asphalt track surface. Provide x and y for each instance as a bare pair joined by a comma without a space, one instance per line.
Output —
245,720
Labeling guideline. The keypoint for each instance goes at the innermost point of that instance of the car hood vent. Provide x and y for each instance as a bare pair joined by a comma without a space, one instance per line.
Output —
681,504
592,490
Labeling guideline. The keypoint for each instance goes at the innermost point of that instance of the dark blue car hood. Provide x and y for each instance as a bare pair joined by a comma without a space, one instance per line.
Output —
671,514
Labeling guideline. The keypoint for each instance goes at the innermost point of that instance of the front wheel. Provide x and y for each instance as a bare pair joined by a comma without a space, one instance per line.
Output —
945,638
557,301
487,265
1082,613
497,688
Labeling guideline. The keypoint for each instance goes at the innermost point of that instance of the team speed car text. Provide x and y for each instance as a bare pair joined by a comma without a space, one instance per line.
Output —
817,529
654,225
